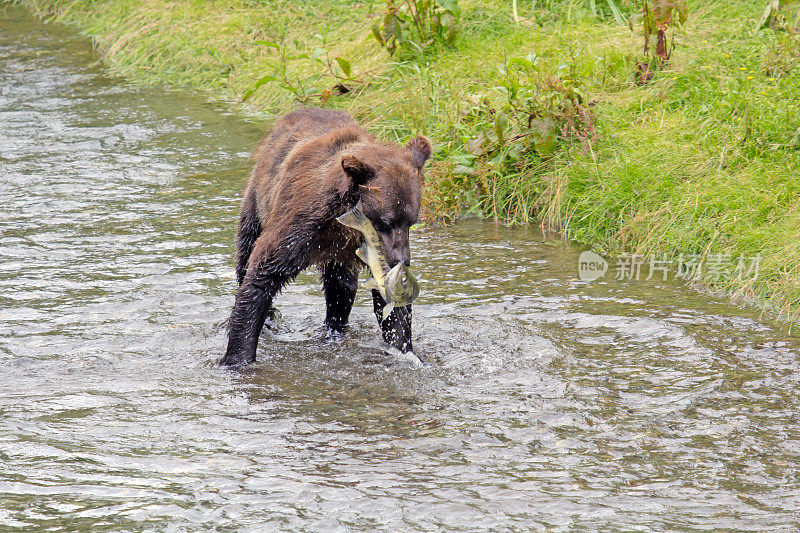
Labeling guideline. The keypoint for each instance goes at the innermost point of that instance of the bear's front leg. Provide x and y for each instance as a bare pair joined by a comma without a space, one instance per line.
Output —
252,306
396,328
340,283
275,260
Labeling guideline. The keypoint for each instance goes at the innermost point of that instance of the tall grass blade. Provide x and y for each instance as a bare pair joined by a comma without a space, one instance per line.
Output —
616,12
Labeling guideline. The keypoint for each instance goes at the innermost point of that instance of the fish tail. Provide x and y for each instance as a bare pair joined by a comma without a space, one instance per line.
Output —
355,218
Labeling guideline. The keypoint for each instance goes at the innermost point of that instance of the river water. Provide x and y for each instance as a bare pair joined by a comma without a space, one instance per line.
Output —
550,403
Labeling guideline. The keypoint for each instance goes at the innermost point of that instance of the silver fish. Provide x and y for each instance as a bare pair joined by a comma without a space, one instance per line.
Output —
401,286
397,286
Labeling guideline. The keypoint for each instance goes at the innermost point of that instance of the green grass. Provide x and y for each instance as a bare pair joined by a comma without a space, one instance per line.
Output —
703,159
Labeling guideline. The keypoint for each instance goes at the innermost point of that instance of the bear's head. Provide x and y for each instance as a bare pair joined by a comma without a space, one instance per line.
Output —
389,181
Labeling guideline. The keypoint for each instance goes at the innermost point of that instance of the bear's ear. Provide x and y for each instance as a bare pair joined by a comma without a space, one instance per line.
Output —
359,172
420,148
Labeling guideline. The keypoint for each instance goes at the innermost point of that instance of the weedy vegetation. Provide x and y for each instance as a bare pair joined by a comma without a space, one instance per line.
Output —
651,126
656,17
409,28
302,83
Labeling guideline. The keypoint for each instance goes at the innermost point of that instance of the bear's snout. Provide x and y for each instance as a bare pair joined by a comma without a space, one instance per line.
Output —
396,247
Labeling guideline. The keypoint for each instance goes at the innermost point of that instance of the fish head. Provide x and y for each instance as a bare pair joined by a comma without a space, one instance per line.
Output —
401,286
389,182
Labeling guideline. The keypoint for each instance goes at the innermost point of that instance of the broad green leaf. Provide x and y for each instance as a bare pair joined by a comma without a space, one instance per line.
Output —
436,23
463,170
391,27
376,31
519,62
451,6
450,25
500,123
683,12
344,65
259,83
268,43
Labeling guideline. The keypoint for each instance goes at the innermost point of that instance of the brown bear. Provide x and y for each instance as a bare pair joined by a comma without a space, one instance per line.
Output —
314,166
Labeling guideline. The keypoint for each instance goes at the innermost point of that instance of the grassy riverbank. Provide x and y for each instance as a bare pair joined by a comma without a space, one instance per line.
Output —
702,159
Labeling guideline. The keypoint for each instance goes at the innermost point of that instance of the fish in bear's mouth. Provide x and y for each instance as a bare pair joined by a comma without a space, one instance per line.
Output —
397,285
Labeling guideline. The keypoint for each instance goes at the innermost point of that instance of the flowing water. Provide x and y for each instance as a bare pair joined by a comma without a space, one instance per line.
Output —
550,403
